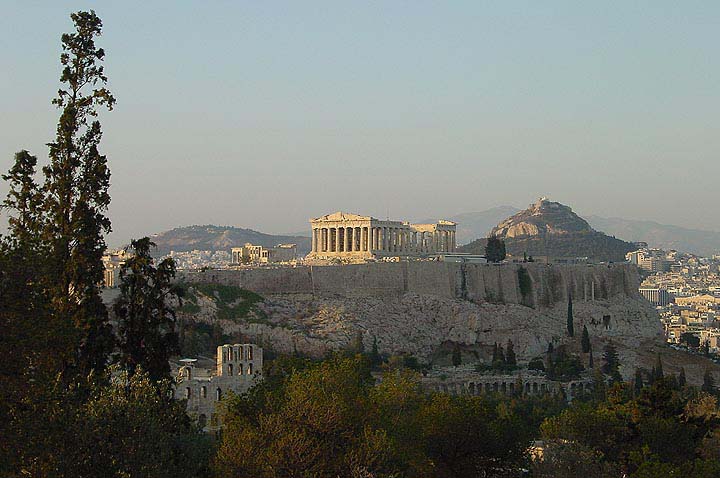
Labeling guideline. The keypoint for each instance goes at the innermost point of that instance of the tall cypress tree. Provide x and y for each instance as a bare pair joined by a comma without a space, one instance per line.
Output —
146,319
510,359
708,382
638,384
682,381
76,194
585,340
570,325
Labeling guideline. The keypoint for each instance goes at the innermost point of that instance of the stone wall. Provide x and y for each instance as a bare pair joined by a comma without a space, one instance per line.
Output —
479,283
426,308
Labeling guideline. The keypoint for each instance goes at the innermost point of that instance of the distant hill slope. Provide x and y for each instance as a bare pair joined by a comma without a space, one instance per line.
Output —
473,225
549,228
217,238
695,241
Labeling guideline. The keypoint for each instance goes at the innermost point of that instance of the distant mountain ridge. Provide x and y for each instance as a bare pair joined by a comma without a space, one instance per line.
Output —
695,241
548,228
477,225
220,238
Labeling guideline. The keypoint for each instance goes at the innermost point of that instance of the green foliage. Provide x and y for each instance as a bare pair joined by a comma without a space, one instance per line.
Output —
524,281
536,364
708,382
585,340
125,426
660,428
564,366
690,339
570,319
232,302
331,419
146,321
495,249
611,365
456,356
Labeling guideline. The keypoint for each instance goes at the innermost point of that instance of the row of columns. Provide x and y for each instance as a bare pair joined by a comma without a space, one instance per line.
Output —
385,239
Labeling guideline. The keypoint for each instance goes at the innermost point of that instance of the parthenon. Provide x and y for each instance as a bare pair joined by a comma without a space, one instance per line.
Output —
350,236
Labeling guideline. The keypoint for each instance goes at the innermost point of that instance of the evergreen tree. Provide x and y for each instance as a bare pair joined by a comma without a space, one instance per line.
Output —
550,349
456,356
358,346
375,358
570,326
591,363
146,319
708,382
706,348
23,200
495,249
659,374
75,195
495,355
585,340
682,381
611,365
510,359
638,383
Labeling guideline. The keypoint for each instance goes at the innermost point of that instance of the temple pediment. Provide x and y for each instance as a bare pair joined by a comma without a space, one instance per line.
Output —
342,216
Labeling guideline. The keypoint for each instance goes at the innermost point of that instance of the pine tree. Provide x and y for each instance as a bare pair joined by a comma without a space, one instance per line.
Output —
611,364
456,356
495,355
638,384
510,359
375,358
682,381
358,346
570,325
76,197
495,249
585,340
591,363
23,200
708,385
146,320
659,374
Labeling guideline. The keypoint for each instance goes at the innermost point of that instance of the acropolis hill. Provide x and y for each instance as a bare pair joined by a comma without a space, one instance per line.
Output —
426,308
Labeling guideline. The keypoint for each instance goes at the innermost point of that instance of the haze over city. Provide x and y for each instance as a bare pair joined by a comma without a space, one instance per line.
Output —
263,115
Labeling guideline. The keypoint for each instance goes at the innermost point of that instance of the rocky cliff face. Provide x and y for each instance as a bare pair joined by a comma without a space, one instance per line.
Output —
548,228
426,308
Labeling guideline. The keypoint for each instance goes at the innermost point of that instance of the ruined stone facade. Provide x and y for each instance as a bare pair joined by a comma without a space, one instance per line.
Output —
253,254
353,237
238,367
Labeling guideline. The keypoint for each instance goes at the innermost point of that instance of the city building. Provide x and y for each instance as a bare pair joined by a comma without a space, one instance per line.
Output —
252,254
238,367
352,237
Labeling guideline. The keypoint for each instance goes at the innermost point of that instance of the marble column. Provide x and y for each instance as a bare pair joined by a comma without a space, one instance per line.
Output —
346,239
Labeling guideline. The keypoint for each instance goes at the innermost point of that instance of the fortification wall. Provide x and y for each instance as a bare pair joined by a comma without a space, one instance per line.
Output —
479,283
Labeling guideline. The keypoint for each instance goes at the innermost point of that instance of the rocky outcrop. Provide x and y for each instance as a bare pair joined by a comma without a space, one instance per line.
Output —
551,229
421,308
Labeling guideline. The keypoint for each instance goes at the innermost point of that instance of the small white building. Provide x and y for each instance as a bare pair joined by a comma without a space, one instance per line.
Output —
238,368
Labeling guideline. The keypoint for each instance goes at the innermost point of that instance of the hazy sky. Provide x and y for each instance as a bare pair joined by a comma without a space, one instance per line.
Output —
262,114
